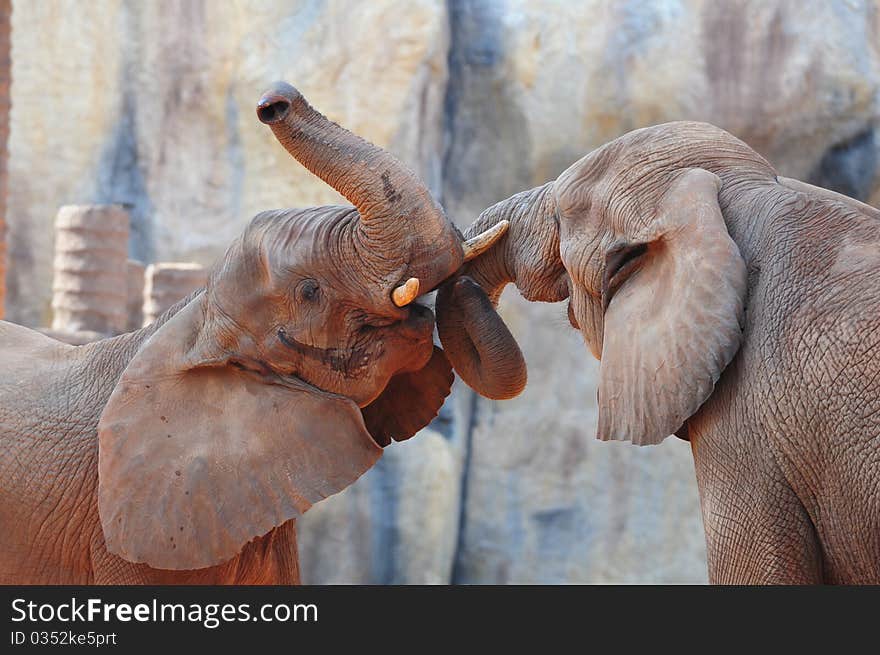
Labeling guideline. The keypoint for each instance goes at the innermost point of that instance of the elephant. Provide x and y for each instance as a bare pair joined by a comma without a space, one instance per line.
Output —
185,451
728,305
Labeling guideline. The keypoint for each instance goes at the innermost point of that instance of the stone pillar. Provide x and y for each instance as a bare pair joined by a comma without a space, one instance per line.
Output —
5,78
168,282
134,277
89,286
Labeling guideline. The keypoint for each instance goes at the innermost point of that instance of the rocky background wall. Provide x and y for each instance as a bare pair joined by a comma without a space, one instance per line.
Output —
151,105
5,72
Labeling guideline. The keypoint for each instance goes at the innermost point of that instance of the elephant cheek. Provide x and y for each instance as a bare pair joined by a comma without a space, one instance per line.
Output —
417,356
399,354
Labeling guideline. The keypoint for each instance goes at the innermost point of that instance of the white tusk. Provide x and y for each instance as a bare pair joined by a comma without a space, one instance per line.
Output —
406,292
483,241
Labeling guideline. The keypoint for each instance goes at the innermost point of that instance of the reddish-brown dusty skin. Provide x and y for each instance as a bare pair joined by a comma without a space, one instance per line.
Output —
728,305
183,452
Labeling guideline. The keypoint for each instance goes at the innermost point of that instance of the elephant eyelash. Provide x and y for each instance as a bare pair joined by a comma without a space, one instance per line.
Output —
620,262
627,255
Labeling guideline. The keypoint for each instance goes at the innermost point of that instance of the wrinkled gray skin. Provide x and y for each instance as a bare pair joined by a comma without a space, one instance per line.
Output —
746,319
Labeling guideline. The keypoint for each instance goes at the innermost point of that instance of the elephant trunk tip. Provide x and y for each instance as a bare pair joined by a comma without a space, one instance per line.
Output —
275,103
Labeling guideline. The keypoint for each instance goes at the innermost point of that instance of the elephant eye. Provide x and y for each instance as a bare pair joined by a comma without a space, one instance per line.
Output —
309,290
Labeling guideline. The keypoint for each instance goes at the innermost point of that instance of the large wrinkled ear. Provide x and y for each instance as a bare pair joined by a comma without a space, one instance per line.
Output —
197,456
673,314
410,401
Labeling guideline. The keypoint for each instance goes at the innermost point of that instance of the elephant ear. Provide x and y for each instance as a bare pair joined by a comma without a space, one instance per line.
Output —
410,401
673,302
198,456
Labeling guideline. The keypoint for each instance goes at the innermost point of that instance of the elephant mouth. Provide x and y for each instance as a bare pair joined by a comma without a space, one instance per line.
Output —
354,362
347,361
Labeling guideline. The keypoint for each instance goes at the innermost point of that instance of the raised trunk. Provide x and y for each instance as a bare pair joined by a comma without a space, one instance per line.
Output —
477,343
394,205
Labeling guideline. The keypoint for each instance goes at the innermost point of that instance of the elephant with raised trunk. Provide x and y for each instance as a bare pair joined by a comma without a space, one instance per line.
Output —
184,452
728,305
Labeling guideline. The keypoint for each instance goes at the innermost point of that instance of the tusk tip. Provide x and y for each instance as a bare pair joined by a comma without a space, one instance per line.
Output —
406,292
483,241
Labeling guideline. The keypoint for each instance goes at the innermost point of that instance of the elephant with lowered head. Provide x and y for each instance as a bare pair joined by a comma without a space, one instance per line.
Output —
184,452
728,305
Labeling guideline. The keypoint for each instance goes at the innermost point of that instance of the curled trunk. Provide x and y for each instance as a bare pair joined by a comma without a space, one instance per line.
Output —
477,342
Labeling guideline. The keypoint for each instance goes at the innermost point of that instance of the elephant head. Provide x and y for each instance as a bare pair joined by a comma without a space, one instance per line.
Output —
277,384
634,234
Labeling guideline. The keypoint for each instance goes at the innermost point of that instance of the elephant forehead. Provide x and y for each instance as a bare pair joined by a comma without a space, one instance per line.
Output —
300,233
576,186
316,243
327,243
